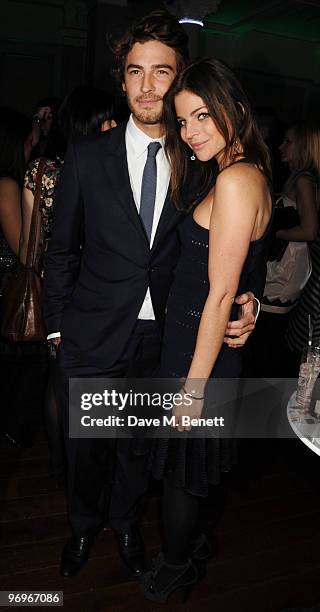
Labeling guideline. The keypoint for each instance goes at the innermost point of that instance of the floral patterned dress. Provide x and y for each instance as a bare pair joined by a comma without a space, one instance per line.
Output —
50,179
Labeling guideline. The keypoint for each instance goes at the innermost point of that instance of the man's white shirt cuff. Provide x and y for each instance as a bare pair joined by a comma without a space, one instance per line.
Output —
55,335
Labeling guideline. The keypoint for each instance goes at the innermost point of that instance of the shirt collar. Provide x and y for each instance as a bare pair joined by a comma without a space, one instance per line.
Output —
138,139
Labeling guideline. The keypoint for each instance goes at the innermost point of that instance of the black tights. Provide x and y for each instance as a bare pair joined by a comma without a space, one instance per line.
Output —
180,514
186,516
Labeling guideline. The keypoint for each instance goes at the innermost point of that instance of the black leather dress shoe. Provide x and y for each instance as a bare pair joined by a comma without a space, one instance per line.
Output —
75,554
131,550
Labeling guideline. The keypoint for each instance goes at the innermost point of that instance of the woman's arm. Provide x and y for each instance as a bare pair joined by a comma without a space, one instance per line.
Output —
27,208
10,212
307,209
237,199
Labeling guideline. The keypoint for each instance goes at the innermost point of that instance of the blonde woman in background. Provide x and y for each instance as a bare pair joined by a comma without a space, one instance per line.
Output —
290,259
302,150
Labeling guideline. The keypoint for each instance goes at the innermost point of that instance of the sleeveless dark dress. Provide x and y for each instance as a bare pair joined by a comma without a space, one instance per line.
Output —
193,463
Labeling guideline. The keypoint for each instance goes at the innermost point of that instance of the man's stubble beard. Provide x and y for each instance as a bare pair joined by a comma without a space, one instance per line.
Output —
148,117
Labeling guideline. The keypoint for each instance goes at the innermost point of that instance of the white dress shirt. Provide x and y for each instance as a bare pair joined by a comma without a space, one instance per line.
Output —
137,143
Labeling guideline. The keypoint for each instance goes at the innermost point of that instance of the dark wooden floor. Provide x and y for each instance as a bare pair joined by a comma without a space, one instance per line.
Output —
268,540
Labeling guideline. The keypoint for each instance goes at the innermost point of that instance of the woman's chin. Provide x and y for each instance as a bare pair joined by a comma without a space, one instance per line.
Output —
203,157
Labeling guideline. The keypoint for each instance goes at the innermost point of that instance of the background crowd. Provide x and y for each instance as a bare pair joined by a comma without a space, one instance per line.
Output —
27,367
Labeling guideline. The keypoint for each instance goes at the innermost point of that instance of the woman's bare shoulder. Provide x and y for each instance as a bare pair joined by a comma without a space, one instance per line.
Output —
305,180
242,174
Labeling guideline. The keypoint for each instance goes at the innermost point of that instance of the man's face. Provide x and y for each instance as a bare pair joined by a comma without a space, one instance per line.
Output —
149,71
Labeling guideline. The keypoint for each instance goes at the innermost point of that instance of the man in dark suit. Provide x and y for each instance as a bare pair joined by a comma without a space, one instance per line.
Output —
107,276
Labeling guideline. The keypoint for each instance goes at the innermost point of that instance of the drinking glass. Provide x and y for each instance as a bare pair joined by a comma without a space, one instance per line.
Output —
308,374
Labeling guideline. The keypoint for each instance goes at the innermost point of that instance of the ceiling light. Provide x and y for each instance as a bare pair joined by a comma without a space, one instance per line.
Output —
190,20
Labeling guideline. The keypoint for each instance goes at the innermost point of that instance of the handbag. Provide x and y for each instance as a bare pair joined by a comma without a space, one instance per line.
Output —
22,319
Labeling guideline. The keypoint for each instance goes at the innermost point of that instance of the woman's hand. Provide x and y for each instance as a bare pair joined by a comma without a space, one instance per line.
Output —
192,411
243,327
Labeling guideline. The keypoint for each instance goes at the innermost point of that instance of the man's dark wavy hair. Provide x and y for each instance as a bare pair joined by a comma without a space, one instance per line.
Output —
159,25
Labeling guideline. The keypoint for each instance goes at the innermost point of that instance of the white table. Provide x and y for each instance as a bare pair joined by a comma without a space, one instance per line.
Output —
306,427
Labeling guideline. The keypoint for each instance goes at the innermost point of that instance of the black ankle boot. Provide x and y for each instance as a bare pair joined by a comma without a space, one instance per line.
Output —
164,578
201,549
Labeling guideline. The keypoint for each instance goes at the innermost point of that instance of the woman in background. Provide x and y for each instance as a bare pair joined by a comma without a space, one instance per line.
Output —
86,111
14,132
289,266
302,150
15,148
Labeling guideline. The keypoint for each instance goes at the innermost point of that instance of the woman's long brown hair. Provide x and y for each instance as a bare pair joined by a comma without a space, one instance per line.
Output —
229,108
305,154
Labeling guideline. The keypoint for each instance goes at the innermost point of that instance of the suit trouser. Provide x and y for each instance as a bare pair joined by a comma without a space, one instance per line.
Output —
95,463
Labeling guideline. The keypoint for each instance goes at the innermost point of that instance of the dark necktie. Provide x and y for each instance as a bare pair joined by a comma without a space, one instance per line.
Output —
149,188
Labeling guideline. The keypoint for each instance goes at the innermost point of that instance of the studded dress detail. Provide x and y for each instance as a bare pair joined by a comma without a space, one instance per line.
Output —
194,463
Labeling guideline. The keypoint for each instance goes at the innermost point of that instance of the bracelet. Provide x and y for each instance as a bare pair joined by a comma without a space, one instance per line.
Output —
193,396
258,308
36,119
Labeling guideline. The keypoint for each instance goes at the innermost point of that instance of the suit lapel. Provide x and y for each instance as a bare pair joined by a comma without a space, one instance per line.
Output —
169,217
116,166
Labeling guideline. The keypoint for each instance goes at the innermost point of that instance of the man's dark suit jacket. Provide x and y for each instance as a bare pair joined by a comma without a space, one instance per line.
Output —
99,263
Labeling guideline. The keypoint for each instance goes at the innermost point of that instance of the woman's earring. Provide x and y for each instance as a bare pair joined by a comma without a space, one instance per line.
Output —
236,148
193,157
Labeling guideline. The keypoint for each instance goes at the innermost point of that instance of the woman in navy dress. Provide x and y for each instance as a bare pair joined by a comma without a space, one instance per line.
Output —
207,116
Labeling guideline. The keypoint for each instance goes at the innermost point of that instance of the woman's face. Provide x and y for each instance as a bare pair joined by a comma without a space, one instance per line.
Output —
286,147
198,130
